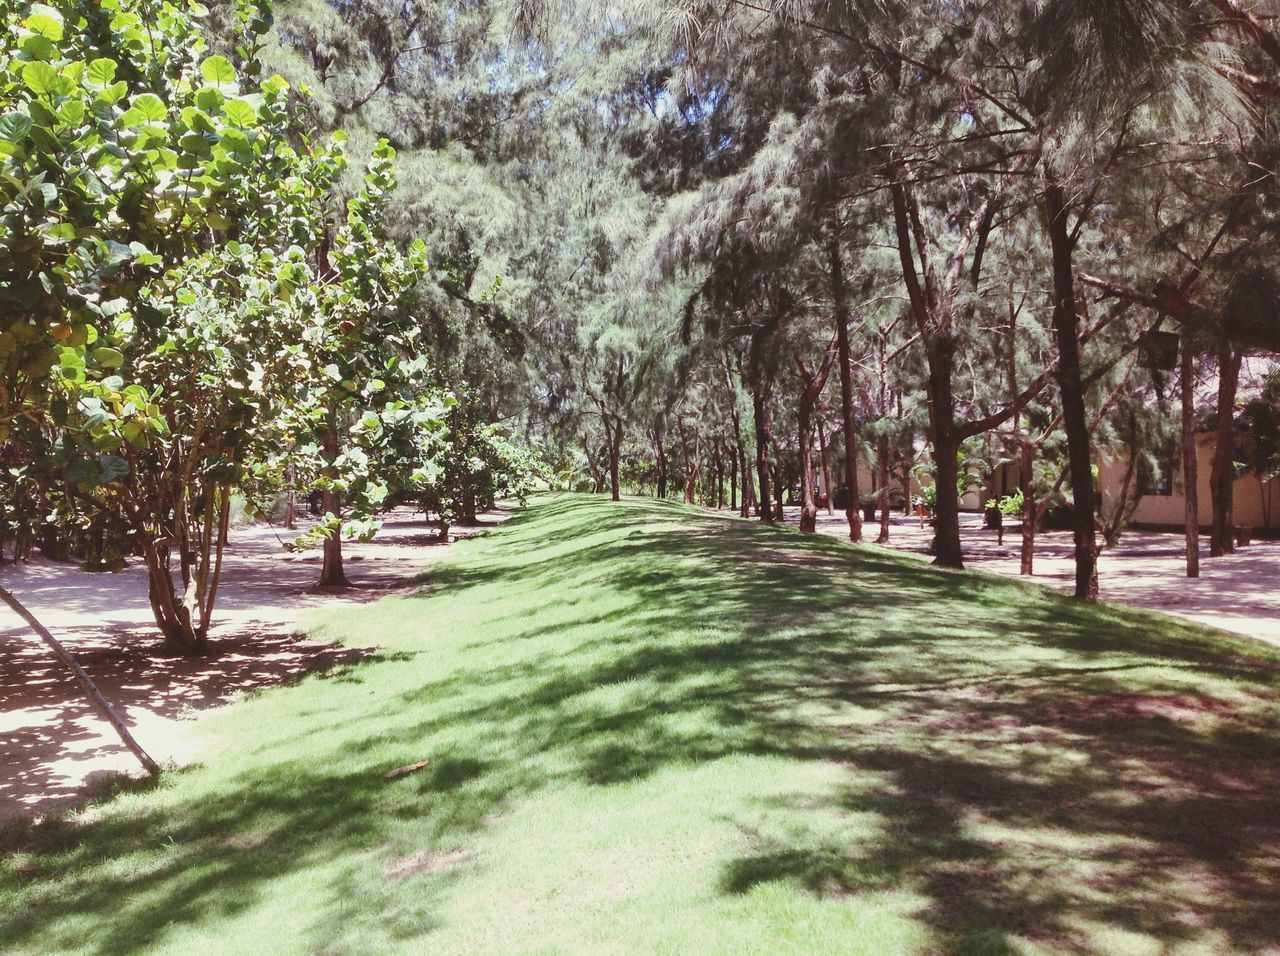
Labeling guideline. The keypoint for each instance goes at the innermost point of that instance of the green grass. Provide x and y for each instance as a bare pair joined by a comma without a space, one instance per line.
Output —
653,730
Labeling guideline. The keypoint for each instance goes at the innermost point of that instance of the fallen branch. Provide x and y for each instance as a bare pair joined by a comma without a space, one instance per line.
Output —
95,695
406,770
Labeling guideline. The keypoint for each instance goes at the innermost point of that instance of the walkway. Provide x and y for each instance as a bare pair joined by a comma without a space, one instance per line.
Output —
1239,592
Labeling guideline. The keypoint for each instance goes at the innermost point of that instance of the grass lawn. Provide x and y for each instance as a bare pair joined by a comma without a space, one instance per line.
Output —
655,730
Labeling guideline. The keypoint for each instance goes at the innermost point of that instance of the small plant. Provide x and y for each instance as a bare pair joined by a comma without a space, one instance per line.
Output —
928,498
1010,505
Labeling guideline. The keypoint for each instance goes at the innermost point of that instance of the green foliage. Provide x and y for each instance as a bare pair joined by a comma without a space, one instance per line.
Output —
1011,506
120,142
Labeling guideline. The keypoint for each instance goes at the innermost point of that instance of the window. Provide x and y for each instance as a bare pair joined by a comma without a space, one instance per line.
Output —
1157,477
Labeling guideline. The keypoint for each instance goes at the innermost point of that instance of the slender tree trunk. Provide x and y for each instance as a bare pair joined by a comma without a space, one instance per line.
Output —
840,300
764,438
691,469
332,574
779,485
748,491
1030,508
907,454
1222,478
1066,326
1190,491
812,385
660,454
884,451
597,477
614,434
291,498
733,479
808,506
719,458
825,451
750,503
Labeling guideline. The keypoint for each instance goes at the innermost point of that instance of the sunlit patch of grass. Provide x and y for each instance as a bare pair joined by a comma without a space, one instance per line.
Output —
650,729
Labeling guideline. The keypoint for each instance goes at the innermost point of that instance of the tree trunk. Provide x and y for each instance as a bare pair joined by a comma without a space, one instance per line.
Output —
748,491
808,506
1190,476
332,574
932,320
884,451
597,477
719,477
691,469
907,454
779,486
660,455
1222,478
1066,326
946,472
825,451
614,434
1030,508
764,438
733,479
840,300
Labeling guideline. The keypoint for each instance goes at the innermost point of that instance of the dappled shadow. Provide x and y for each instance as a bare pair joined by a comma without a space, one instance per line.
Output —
1036,771
50,728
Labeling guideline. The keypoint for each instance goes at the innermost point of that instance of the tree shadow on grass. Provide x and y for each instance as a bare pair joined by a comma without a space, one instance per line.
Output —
1037,771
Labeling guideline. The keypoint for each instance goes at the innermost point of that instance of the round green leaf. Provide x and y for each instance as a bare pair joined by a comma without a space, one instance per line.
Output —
108,357
218,70
101,72
44,20
240,112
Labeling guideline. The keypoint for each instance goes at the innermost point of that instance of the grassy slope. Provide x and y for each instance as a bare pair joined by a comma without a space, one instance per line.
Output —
654,730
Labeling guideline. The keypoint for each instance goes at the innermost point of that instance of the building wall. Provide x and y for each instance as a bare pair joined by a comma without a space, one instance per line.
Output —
1255,506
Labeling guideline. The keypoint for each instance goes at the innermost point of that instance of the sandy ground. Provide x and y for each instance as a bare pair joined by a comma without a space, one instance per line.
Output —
1239,592
52,742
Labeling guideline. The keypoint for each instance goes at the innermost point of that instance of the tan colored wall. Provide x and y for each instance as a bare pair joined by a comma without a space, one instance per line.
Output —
1248,505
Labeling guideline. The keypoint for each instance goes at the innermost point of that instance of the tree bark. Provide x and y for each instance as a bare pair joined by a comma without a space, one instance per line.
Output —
1190,476
613,433
744,468
660,455
946,465
884,452
691,469
932,321
812,385
840,301
332,574
597,477
1030,508
764,439
808,505
825,451
1066,326
779,485
719,459
733,479
1222,478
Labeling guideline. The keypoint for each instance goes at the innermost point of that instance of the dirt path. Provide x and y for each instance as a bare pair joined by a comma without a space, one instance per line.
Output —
53,744
1238,593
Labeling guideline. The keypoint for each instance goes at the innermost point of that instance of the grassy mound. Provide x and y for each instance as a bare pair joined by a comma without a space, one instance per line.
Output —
650,729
